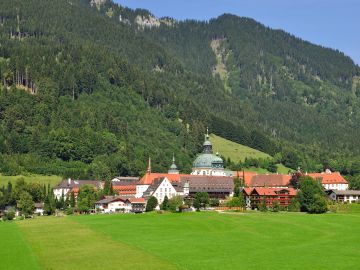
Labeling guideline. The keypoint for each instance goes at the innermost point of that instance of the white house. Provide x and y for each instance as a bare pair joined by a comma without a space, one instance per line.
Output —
65,187
331,180
114,204
163,187
349,196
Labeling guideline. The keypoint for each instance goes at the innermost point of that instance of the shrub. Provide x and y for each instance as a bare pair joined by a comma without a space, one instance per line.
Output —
151,204
214,202
275,206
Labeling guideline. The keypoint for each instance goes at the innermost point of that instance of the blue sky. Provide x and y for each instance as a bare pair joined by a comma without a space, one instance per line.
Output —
331,23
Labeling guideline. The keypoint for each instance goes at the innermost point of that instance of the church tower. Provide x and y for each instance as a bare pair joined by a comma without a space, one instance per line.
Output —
173,168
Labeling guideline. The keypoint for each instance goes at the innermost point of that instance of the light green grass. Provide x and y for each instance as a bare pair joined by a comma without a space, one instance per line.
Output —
42,179
15,252
236,152
62,243
195,241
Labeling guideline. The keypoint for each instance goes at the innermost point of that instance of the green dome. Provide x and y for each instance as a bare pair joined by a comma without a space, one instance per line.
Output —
206,161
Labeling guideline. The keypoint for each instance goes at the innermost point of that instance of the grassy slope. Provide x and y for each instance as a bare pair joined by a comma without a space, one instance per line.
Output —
15,252
193,241
42,179
236,152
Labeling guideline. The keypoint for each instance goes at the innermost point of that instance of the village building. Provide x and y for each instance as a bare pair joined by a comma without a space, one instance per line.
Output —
65,187
39,209
118,204
347,196
162,187
255,196
331,180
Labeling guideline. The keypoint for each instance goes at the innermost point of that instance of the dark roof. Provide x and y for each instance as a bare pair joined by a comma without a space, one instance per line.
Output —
209,183
110,199
69,183
346,192
125,180
39,205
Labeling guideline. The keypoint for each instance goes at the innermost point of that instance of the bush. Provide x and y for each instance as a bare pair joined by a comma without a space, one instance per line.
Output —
151,204
294,206
275,206
214,202
9,215
175,204
70,211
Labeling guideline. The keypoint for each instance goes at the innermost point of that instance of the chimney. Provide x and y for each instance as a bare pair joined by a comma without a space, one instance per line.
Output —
69,181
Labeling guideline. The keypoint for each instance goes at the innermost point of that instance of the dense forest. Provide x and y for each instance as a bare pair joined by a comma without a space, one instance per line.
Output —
92,89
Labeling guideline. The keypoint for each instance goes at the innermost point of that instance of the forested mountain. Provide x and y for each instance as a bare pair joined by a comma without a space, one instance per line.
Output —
91,89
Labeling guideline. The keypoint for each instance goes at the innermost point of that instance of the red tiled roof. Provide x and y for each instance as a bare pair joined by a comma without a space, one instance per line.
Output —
329,178
247,190
273,191
247,175
137,200
269,180
149,178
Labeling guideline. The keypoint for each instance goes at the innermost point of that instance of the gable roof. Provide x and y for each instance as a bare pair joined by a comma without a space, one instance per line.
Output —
110,199
269,180
69,184
125,189
346,192
149,178
329,178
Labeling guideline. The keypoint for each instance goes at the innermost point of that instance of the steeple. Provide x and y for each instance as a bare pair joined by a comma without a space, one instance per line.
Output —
173,168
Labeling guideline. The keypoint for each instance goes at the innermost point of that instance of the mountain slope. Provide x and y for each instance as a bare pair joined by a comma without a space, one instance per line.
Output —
90,88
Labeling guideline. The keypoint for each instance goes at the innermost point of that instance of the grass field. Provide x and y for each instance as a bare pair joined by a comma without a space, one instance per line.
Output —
42,179
184,241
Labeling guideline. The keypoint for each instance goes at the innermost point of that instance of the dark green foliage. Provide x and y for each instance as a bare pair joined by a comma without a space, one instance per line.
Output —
238,185
236,202
26,204
201,200
106,95
86,199
151,204
9,215
214,202
294,206
175,204
311,196
165,203
262,206
275,206
72,202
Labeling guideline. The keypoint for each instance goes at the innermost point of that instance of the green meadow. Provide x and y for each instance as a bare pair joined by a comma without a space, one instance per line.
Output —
38,178
184,241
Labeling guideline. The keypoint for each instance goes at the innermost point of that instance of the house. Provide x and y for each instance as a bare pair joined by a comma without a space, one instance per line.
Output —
65,187
39,209
138,205
114,204
247,194
125,180
331,180
283,196
162,187
216,186
350,196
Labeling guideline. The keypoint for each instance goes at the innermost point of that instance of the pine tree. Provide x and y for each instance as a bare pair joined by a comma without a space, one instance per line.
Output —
72,200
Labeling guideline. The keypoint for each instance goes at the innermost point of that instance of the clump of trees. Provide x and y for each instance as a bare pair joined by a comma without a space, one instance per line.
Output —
311,196
201,200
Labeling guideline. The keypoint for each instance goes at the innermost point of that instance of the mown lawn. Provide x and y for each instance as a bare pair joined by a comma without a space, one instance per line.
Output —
191,241
42,179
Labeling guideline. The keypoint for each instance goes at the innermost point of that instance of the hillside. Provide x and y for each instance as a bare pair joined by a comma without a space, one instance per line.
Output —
92,89
235,151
